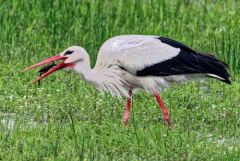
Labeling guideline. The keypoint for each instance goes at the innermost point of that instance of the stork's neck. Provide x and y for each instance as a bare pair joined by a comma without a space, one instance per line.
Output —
109,79
88,74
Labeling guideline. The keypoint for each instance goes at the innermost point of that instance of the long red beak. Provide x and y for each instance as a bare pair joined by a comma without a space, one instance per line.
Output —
46,61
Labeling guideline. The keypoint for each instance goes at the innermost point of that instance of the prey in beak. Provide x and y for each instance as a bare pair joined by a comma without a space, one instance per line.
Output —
47,70
44,69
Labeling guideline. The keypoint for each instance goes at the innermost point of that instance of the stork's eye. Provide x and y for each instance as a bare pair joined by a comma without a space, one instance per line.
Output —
68,52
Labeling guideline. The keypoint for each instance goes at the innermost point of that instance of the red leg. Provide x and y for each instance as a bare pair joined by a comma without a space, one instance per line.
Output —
128,108
164,109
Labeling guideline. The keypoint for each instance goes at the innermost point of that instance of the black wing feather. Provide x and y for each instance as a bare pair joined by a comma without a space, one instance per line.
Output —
187,61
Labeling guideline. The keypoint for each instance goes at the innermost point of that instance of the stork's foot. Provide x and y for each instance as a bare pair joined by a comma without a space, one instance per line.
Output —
126,117
164,110
128,108
167,119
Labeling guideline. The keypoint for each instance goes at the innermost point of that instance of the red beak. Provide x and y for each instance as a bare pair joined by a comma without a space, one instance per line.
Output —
46,61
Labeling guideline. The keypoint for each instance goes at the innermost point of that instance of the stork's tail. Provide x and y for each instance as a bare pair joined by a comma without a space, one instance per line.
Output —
215,68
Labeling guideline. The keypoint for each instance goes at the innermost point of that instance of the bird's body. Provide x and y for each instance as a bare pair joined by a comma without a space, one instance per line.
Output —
125,62
128,62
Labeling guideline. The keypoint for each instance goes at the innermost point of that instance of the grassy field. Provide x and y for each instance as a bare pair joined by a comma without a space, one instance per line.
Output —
67,119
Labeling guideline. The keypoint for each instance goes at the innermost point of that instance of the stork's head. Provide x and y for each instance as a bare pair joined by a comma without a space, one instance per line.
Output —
71,57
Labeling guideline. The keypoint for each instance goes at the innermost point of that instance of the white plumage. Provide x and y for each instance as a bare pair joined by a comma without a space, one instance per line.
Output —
135,52
128,62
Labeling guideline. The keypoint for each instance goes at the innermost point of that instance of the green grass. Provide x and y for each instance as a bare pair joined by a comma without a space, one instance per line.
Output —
67,119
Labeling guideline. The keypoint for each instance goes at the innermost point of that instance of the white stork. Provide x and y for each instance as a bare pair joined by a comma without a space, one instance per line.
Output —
129,62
